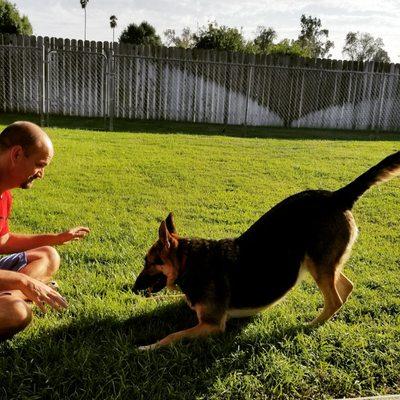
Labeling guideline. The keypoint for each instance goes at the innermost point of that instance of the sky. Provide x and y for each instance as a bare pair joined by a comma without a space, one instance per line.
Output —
65,18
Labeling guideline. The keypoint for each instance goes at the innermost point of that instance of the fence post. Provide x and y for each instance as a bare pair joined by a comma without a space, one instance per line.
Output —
111,75
42,84
46,74
249,83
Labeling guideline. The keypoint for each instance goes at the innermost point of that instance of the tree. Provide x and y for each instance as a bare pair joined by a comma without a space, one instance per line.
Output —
84,4
185,41
113,24
219,38
140,34
313,38
264,39
363,47
11,21
264,44
287,47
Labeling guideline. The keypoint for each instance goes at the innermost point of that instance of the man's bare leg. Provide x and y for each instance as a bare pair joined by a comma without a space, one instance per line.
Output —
15,314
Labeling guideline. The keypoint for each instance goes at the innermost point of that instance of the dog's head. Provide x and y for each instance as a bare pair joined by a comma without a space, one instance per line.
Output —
160,262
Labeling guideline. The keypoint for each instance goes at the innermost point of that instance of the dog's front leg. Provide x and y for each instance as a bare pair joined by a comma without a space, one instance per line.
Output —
200,330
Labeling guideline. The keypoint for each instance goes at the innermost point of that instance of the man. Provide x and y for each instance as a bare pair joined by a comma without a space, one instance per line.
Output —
25,151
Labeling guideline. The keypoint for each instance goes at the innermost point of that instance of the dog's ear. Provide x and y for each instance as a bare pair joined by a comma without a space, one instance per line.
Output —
164,235
170,223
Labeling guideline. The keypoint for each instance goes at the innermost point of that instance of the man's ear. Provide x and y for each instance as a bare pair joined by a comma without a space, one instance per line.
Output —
164,235
170,223
16,153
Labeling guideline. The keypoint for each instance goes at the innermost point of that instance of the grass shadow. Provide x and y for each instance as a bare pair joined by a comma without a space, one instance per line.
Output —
102,360
190,128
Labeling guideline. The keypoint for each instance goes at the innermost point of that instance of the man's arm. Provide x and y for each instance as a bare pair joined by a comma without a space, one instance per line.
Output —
14,243
9,280
34,290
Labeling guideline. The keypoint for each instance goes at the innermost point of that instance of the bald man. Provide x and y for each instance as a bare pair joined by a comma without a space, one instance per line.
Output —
25,151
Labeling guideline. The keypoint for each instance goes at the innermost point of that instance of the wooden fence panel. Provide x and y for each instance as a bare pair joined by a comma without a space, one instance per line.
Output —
195,85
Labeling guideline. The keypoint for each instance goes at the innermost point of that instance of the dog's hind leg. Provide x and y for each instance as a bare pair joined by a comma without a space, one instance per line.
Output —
344,286
332,299
326,264
335,287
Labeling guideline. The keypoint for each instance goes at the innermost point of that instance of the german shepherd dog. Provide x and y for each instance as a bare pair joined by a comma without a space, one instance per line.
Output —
310,231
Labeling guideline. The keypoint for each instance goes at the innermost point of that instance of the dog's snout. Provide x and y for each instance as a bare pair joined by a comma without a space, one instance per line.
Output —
145,281
141,283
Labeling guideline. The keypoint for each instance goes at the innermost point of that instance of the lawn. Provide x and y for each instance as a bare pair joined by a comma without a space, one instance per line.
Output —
121,184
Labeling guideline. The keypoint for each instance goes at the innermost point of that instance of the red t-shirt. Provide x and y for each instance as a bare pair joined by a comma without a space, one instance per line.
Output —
5,210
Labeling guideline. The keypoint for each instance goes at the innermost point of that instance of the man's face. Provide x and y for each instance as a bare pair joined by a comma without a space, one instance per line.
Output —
32,166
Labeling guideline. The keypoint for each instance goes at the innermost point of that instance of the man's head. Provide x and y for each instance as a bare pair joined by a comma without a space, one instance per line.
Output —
27,150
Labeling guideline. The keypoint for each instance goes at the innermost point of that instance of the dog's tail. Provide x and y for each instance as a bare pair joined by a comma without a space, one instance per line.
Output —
381,172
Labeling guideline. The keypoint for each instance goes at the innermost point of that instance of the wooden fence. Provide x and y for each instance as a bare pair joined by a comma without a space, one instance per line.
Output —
72,77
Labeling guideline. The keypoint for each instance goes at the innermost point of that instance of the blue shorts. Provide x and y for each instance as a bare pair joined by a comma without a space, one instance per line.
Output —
13,262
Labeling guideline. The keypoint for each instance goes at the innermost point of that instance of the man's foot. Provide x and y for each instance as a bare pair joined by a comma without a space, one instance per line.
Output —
54,285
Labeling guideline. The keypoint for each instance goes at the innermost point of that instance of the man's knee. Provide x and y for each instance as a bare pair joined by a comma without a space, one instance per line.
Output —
52,259
43,262
17,315
21,314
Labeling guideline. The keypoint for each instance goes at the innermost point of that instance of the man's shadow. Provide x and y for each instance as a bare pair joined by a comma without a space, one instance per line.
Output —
91,351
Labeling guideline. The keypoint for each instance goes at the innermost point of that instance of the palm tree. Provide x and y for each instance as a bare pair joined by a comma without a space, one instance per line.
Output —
84,4
113,24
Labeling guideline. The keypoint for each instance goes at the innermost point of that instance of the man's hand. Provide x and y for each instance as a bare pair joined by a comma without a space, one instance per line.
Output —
41,294
15,242
73,234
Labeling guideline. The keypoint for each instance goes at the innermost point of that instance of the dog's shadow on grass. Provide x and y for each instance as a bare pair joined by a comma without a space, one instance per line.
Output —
95,350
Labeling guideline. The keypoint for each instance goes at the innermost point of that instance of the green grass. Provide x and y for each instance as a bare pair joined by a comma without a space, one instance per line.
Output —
121,185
